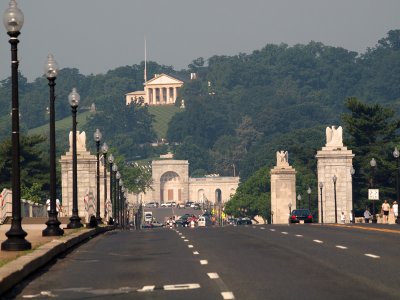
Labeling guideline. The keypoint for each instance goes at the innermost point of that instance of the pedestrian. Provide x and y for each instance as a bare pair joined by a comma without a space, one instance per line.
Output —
385,209
351,217
395,208
343,217
367,215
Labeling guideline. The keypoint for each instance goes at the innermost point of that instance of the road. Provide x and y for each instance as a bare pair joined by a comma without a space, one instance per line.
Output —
242,262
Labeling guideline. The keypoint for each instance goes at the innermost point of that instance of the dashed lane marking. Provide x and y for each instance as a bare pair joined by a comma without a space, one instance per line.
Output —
262,228
175,287
272,229
299,235
147,288
186,240
204,262
372,255
318,241
227,295
183,237
213,275
284,232
190,246
341,247
196,253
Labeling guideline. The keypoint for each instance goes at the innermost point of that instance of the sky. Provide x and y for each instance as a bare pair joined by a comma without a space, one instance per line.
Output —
95,36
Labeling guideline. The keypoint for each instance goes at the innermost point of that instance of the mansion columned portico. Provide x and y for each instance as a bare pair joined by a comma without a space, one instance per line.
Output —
160,90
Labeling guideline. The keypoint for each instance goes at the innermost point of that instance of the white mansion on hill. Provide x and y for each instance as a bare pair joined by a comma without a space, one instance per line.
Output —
160,90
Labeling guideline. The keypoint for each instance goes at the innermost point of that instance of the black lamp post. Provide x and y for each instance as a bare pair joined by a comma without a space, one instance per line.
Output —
111,163
120,204
373,166
114,189
352,172
104,150
321,185
272,217
117,195
13,19
396,155
75,220
309,198
53,224
334,178
298,200
97,139
290,211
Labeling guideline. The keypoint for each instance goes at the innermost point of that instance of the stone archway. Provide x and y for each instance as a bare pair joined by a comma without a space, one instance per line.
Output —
170,187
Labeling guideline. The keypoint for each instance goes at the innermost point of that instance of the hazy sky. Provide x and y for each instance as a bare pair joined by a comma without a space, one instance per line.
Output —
98,35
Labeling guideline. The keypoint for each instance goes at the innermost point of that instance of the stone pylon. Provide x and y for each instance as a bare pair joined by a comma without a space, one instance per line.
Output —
283,189
334,160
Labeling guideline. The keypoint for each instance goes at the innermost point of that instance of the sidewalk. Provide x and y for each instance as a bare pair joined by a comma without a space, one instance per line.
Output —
16,265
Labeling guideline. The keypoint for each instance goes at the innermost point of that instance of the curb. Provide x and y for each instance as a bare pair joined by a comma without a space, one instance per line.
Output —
15,271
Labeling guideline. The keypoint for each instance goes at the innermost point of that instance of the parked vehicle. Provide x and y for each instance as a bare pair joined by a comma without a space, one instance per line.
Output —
197,206
152,205
189,204
156,224
243,221
300,216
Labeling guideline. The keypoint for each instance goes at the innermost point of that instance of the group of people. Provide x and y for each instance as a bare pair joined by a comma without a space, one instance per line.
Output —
385,210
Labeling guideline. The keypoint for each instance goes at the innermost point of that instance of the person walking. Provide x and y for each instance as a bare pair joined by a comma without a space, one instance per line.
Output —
343,217
385,210
367,215
395,208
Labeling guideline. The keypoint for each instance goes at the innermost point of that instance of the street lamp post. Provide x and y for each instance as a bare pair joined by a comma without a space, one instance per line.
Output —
396,155
75,220
321,185
290,211
117,177
53,224
120,204
352,172
97,138
13,19
334,178
373,166
111,163
272,217
104,149
309,198
299,200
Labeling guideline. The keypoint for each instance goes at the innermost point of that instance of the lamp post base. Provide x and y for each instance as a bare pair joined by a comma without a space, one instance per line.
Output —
99,220
374,219
74,222
16,240
53,227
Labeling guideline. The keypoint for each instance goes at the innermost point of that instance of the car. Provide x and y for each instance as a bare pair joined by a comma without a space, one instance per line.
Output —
165,204
152,205
180,205
197,206
243,221
156,224
189,204
300,216
147,225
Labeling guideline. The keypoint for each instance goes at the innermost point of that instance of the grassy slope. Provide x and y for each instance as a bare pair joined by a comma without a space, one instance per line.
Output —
163,115
63,124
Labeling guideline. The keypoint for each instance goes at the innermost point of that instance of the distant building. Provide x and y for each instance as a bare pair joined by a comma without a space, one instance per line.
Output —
160,90
171,182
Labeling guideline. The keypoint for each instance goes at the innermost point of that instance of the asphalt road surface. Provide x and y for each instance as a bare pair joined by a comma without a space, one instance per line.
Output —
234,262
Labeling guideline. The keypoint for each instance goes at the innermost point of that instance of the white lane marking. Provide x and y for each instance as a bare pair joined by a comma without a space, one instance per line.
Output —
196,253
183,237
227,295
272,229
254,227
204,262
318,241
147,288
186,240
180,233
299,235
341,247
213,275
284,232
187,286
262,228
190,246
372,255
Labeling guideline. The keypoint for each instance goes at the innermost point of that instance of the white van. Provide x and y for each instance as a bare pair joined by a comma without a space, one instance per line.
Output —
148,216
203,221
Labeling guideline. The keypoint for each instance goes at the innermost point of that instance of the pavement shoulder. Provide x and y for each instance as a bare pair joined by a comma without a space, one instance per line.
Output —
16,270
